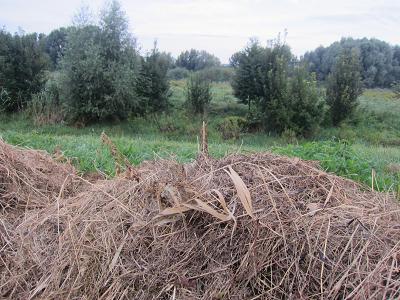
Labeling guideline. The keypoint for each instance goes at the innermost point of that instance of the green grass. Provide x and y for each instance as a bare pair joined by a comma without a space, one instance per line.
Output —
370,141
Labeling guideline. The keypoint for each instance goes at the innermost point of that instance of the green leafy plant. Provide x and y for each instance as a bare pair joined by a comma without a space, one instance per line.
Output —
231,127
198,94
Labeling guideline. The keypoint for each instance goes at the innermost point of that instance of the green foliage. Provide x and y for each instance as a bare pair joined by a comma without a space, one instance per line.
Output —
380,62
56,43
344,86
178,73
22,67
307,106
275,99
247,83
198,94
335,156
231,127
396,89
5,100
153,87
195,60
217,74
100,67
45,106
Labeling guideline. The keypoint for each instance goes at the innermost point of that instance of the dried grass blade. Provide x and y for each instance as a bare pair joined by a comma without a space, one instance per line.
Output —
242,191
174,210
202,206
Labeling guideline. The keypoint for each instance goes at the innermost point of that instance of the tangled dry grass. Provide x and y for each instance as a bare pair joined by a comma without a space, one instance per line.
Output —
243,227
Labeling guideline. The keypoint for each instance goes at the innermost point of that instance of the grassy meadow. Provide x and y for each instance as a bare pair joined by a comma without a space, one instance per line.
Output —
371,141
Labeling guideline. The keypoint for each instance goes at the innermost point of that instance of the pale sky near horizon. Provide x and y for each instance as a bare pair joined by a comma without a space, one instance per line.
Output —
223,27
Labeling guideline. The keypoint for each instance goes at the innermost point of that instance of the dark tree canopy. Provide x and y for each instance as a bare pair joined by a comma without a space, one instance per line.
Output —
56,43
22,67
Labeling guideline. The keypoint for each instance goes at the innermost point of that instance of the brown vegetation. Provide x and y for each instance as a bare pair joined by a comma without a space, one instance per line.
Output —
243,227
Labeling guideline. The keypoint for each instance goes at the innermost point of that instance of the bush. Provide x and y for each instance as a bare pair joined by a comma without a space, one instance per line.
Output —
178,74
306,107
100,67
396,89
217,74
344,86
152,84
198,93
45,106
5,100
231,127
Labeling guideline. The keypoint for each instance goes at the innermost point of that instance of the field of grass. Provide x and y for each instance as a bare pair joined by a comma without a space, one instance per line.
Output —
370,142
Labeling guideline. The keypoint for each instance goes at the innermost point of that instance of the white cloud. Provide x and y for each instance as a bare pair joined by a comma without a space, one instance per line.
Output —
221,26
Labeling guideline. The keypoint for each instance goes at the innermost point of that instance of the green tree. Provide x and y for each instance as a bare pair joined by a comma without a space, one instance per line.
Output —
153,85
307,105
99,68
198,94
344,86
378,60
23,65
56,43
195,60
248,80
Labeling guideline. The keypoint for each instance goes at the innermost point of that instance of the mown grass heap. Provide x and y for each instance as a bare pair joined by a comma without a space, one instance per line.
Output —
243,227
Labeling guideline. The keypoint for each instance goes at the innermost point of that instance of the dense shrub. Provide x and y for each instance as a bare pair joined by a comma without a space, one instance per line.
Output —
152,86
231,127
100,67
344,86
198,94
178,73
45,106
217,74
280,96
307,106
23,63
396,89
195,60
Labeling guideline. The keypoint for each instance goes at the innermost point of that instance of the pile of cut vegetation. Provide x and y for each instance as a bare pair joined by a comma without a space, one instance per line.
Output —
243,227
30,179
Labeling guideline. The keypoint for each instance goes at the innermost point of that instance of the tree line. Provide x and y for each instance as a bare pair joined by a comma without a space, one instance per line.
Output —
380,62
93,71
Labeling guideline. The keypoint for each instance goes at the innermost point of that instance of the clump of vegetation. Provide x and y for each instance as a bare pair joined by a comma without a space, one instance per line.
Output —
344,86
380,61
152,84
198,94
23,65
100,67
231,127
195,60
45,106
178,73
278,100
396,89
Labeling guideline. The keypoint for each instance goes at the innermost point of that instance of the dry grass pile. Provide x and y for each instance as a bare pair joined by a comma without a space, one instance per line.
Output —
30,179
242,227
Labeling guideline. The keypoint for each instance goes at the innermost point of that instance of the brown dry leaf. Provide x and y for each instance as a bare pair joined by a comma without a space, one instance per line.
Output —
221,200
242,190
202,206
174,210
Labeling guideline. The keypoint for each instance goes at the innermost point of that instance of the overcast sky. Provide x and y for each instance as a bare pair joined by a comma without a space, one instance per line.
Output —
223,26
